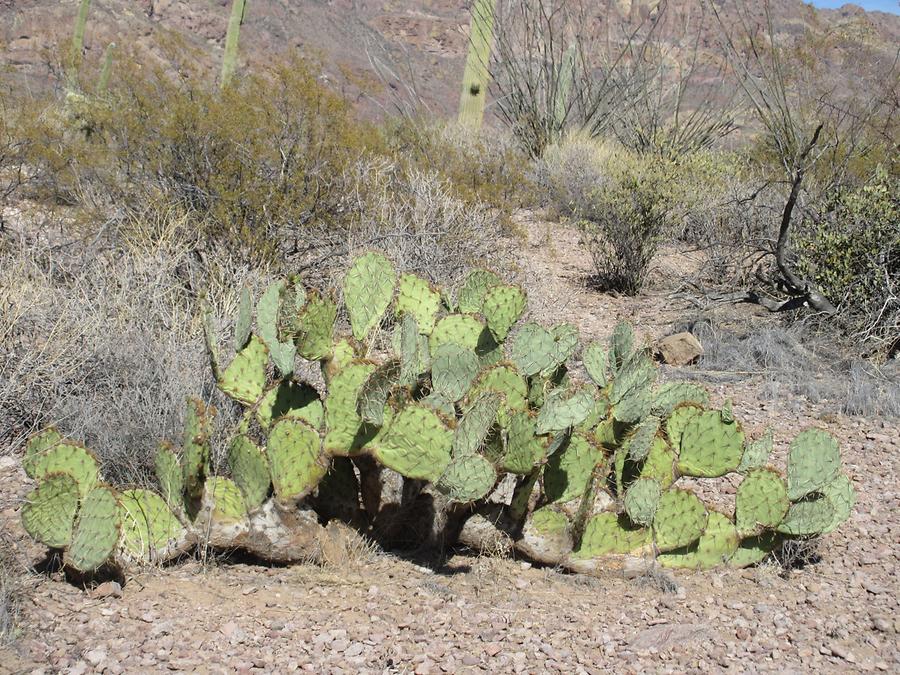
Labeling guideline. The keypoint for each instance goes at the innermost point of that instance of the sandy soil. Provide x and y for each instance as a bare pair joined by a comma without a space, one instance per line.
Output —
386,614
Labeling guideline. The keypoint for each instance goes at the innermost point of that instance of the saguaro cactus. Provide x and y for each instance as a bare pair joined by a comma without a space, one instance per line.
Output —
476,76
229,62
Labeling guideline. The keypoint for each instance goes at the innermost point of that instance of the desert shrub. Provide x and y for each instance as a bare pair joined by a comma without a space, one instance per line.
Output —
267,153
793,361
416,217
851,250
480,165
10,591
105,342
624,204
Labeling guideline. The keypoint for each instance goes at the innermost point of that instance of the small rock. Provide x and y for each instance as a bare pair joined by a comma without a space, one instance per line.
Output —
680,349
108,589
842,652
882,624
95,657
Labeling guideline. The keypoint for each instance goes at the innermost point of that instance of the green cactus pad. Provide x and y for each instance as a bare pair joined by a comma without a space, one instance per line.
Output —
814,460
417,298
715,547
195,450
37,446
373,394
565,337
244,322
250,470
631,392
245,377
412,362
296,461
416,444
467,478
660,463
267,310
96,532
368,290
621,345
607,533
607,434
678,420
463,330
148,525
761,502
524,450
639,443
314,327
679,521
809,517
842,496
224,500
343,425
473,428
502,307
65,457
756,454
342,354
290,398
533,350
48,513
471,294
710,447
596,362
563,409
672,394
549,522
210,338
489,351
168,473
641,499
453,369
754,550
569,472
439,404
597,414
505,379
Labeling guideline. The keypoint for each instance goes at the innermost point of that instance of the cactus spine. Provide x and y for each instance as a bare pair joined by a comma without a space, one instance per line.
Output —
476,75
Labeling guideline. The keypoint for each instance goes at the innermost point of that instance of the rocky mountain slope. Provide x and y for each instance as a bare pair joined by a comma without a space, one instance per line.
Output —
420,40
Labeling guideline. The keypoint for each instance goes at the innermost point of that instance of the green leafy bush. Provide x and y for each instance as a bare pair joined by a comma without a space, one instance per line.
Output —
258,160
852,253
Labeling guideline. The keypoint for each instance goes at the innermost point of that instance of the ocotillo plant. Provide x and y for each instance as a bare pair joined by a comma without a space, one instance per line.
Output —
229,61
476,76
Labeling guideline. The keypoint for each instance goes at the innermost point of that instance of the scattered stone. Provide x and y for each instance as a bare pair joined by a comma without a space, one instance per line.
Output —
681,349
108,589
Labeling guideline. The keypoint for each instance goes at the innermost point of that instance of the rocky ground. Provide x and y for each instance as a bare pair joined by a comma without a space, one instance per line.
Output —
381,613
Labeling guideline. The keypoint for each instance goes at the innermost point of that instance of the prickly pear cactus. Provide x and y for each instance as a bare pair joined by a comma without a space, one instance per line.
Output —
451,399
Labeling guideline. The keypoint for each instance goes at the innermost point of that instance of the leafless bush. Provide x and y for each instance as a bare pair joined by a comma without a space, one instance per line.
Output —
414,218
11,591
792,362
106,344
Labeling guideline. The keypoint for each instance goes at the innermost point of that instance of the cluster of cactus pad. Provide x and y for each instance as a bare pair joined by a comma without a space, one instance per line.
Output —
472,412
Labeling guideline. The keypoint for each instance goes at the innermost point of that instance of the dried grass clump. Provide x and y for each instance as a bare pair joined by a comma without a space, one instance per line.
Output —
104,340
793,362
